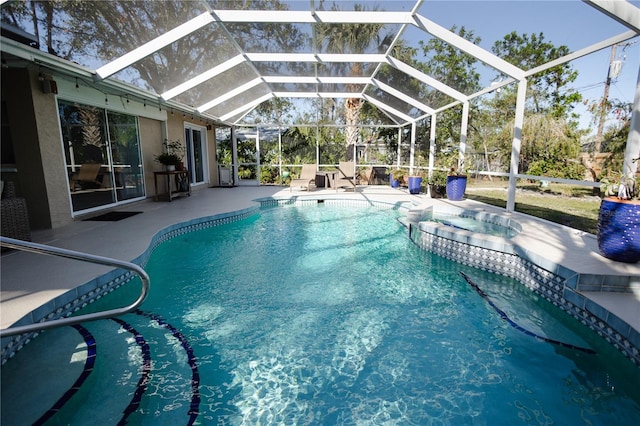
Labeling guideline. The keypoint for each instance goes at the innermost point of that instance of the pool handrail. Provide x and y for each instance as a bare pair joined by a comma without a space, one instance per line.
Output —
85,257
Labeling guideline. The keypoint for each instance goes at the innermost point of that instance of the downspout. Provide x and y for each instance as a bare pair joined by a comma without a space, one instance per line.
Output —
280,153
399,143
432,144
432,149
318,145
412,149
234,155
516,144
631,154
463,136
258,154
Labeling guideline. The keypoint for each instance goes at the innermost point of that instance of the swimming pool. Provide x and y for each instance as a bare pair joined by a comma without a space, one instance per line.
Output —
322,315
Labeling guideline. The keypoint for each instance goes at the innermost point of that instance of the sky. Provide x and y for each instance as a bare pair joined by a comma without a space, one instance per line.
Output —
572,23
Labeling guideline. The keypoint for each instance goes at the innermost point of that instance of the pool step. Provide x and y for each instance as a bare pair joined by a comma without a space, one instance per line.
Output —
116,388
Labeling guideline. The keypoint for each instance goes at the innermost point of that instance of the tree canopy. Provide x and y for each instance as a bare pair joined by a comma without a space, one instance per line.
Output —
73,28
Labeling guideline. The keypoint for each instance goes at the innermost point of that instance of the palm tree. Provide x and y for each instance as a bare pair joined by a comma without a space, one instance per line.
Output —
352,39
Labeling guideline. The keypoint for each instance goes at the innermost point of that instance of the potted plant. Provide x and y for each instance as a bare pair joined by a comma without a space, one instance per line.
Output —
414,181
438,184
396,176
171,158
619,219
456,185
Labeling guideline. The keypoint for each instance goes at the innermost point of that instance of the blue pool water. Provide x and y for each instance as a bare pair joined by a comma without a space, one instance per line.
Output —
324,315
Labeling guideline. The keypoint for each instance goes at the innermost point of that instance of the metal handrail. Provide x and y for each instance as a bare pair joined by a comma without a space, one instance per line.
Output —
85,257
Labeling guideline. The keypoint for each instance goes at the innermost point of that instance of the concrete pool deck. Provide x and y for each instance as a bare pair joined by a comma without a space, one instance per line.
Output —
29,281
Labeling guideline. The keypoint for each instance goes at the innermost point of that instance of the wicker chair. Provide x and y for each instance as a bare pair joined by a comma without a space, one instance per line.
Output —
14,218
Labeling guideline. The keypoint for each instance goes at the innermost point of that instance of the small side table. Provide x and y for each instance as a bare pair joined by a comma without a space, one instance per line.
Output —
330,178
181,181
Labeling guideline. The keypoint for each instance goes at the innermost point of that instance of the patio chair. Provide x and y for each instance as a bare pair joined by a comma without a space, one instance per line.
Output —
346,175
87,177
307,177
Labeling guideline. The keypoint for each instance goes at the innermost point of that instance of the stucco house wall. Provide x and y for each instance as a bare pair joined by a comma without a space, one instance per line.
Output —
34,125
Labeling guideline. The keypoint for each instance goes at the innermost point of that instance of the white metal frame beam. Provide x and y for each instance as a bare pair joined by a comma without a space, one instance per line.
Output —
400,95
622,11
316,57
387,108
247,107
516,145
317,95
468,47
154,45
201,78
436,84
582,52
632,152
316,80
404,18
313,17
230,94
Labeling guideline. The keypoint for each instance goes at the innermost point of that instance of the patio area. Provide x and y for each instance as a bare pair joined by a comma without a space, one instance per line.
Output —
30,281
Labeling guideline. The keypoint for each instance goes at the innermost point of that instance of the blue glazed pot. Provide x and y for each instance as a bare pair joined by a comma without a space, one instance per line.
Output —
456,186
414,184
619,230
395,183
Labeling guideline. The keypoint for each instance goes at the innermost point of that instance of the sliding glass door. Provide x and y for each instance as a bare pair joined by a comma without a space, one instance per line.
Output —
247,147
102,153
126,159
195,141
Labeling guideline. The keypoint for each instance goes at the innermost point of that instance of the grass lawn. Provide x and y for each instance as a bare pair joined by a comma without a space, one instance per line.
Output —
568,205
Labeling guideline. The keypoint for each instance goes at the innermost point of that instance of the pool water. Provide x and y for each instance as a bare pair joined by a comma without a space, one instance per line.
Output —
330,315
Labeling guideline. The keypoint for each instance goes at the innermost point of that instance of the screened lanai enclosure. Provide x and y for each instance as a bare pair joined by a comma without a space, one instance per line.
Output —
423,85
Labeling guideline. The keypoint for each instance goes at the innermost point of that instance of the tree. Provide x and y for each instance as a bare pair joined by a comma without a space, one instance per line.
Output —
549,148
356,39
546,90
550,141
450,66
614,139
90,33
457,70
276,110
488,138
